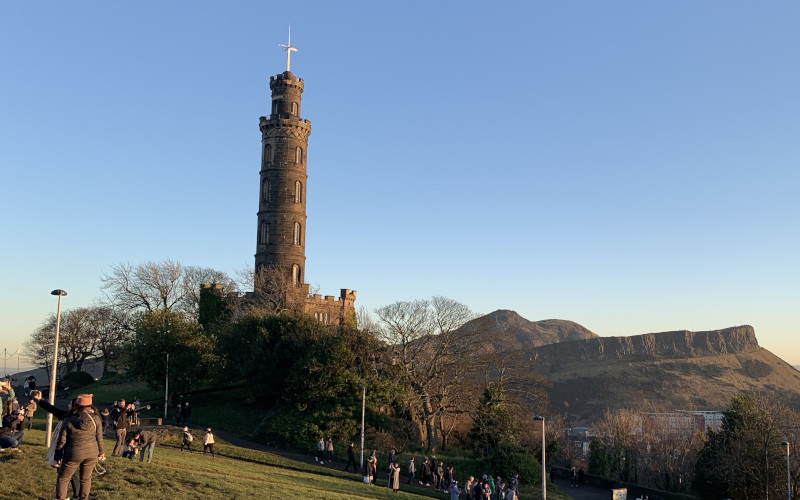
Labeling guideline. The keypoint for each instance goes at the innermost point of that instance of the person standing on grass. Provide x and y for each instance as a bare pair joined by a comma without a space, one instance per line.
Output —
351,458
187,440
208,442
372,466
147,442
59,414
411,470
394,476
178,412
120,417
30,409
329,449
79,446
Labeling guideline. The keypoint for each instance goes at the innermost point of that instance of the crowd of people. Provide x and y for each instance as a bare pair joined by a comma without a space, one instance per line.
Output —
431,473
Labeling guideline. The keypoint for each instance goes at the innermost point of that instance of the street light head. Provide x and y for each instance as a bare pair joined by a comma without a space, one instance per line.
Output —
538,417
58,292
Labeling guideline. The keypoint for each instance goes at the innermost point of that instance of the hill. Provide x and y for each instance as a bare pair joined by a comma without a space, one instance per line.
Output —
679,370
508,330
670,370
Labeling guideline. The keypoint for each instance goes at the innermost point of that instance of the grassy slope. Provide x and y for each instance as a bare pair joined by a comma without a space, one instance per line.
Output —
181,475
178,476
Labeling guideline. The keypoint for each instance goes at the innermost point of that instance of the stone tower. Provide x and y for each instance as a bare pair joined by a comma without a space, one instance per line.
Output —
282,195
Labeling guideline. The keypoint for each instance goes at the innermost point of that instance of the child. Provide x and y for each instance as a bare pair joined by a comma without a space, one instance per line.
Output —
187,440
208,442
133,449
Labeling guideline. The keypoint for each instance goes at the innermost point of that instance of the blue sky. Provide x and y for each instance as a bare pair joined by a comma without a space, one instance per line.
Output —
628,165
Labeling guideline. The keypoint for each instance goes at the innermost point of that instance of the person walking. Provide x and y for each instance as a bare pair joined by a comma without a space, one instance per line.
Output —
351,458
187,440
208,442
411,470
79,447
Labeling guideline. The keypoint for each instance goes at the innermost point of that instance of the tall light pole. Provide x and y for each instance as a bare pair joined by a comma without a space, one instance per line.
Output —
363,409
788,470
166,389
544,468
52,398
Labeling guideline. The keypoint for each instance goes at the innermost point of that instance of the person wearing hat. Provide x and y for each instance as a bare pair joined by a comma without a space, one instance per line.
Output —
78,447
208,442
187,440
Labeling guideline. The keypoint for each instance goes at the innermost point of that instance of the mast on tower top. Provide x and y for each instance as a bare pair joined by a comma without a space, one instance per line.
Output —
288,48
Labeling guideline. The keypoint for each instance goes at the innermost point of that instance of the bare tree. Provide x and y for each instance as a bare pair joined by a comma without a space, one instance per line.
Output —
112,330
433,357
274,292
159,285
193,277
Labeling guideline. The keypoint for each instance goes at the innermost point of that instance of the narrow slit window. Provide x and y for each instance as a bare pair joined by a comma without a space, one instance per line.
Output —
298,192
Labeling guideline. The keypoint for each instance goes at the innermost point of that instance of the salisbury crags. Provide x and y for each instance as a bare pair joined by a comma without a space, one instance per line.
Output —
665,345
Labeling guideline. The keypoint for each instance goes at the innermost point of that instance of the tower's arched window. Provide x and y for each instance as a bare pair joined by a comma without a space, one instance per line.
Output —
265,190
297,232
263,233
298,192
295,274
298,155
268,153
294,108
275,106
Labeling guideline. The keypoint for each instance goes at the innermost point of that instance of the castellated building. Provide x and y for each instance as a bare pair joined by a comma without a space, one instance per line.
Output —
281,229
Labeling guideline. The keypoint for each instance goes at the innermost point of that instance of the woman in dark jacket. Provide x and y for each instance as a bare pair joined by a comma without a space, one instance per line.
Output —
80,444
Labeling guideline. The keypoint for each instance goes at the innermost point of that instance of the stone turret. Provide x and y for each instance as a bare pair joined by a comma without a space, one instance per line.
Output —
280,240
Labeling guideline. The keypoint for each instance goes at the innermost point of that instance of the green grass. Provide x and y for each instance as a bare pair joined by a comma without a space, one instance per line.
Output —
189,475
180,476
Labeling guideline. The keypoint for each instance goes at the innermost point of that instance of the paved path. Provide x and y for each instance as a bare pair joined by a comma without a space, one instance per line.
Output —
584,492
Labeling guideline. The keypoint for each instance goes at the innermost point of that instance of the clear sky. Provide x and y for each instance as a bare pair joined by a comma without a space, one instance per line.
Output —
628,165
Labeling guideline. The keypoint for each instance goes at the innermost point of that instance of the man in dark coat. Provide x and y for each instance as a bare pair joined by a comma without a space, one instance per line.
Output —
147,441
351,458
120,417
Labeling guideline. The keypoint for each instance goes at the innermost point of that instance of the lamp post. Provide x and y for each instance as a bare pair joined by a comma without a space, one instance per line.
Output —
363,408
166,389
52,398
544,468
788,470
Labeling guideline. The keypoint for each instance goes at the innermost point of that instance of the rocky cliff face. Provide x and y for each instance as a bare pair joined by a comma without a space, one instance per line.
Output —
666,345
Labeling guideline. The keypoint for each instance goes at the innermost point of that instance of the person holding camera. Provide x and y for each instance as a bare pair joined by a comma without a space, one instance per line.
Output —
30,409
121,419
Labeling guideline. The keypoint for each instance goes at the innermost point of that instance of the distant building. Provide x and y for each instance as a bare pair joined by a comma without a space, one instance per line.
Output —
685,423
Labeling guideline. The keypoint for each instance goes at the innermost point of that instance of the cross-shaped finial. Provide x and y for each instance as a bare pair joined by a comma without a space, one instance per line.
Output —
288,48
